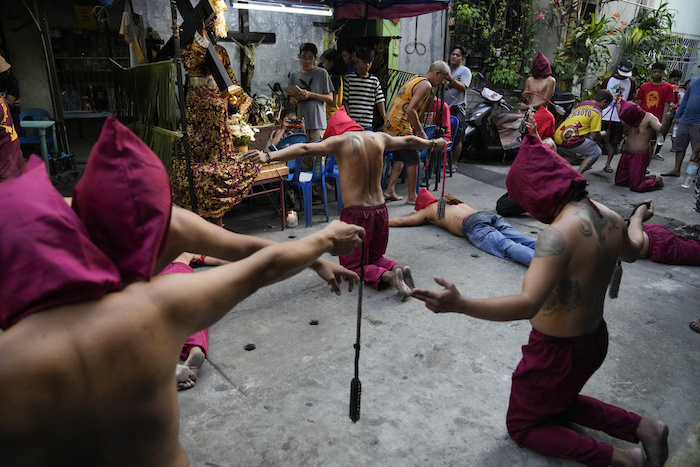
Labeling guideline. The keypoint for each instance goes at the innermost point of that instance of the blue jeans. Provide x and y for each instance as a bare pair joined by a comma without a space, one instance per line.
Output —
491,233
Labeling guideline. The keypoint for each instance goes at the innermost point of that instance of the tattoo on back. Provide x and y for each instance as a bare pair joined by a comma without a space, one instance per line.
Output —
550,243
568,295
593,222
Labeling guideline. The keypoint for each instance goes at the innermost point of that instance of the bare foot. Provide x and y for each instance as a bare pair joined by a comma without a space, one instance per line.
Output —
186,374
408,277
633,457
654,437
392,197
411,201
400,284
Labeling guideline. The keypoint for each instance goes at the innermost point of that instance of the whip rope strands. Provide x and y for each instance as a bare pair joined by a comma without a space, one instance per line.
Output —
355,385
442,202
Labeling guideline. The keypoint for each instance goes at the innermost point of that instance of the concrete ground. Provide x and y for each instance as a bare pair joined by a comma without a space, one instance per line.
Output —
434,387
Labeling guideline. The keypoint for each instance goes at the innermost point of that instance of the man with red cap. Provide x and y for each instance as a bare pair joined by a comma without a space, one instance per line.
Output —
359,155
562,297
641,125
486,231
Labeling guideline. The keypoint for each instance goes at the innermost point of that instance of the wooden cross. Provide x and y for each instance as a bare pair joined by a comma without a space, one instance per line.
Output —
192,23
247,41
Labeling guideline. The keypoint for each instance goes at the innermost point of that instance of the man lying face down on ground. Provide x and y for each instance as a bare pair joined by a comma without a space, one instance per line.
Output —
562,296
90,338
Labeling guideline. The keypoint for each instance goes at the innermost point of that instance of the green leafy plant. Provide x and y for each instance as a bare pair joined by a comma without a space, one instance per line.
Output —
586,50
648,38
485,26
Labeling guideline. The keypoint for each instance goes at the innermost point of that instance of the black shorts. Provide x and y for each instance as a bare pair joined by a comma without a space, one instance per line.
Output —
614,132
407,156
458,137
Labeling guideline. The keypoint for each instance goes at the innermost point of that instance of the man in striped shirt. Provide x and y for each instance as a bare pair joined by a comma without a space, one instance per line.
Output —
362,91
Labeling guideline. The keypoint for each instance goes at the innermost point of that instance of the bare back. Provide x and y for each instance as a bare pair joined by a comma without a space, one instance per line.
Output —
454,217
542,86
574,259
360,161
638,137
97,386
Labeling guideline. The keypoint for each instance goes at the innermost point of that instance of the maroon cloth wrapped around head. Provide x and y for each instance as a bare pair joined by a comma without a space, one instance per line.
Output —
341,123
48,259
124,200
631,113
541,181
541,67
424,199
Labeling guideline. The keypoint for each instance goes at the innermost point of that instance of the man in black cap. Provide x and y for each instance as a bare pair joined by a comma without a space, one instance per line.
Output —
622,86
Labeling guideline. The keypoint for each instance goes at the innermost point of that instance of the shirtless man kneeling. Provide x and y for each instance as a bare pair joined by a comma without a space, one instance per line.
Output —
641,126
562,297
486,231
359,155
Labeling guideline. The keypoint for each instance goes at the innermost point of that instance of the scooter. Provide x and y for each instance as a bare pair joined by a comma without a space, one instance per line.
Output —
492,128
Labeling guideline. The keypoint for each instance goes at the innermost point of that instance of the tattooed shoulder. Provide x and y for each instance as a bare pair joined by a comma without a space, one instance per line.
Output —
550,243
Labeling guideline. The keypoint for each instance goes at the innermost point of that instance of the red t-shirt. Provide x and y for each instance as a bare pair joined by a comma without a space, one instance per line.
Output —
653,97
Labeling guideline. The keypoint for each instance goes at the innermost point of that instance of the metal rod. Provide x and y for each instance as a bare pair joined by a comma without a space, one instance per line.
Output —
177,59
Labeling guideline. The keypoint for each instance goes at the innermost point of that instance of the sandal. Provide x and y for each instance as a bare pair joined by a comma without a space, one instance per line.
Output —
608,169
695,325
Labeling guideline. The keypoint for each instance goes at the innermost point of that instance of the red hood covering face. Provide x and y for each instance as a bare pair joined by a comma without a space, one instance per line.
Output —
541,67
631,113
541,181
424,199
341,123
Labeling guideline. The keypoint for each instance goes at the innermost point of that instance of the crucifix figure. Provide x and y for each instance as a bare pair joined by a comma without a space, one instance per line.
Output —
248,41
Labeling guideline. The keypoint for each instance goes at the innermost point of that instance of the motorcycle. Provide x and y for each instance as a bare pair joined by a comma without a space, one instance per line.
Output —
492,128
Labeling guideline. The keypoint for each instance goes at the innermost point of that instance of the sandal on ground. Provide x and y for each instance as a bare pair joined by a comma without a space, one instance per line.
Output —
669,174
695,325
608,169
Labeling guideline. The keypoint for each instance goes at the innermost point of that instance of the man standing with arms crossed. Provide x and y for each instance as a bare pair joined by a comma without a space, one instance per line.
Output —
562,296
403,119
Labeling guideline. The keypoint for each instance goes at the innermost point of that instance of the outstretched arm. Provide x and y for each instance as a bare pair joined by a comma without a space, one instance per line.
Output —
195,301
633,237
417,218
189,232
393,143
546,269
331,145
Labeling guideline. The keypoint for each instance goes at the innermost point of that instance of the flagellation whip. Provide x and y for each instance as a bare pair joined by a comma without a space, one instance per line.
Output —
442,202
355,385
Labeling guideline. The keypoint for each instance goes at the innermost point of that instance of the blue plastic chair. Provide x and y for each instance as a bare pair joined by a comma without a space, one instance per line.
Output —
423,157
288,140
303,182
332,172
35,114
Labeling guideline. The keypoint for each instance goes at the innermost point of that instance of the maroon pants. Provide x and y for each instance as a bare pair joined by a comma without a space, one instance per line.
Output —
545,394
375,221
631,172
200,338
668,248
